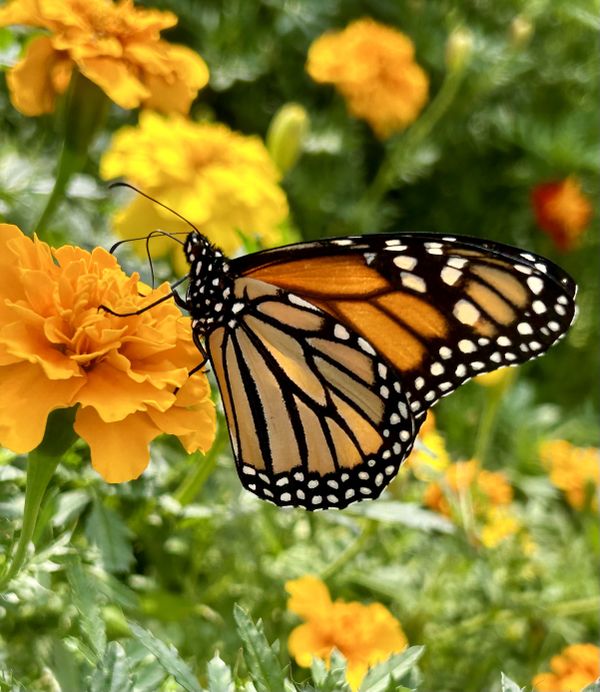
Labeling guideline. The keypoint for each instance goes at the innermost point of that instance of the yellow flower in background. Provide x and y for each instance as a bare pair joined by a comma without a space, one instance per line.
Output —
429,457
574,668
222,181
574,470
496,377
116,46
58,349
500,523
364,634
372,65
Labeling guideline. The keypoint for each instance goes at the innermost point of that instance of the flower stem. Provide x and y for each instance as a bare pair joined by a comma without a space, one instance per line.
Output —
489,416
40,469
193,483
351,551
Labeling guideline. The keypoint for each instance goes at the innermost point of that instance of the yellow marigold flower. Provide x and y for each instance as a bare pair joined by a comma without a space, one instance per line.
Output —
58,350
574,668
499,524
364,634
486,487
574,470
431,455
222,181
373,67
116,46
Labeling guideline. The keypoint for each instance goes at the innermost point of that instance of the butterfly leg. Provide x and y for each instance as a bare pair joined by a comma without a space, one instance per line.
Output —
198,344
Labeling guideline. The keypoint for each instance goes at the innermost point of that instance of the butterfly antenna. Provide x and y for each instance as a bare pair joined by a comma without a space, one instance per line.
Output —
152,199
158,231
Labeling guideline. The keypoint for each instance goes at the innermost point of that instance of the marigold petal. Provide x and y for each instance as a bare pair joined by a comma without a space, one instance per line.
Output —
119,450
21,12
33,88
355,673
116,78
308,641
26,399
309,597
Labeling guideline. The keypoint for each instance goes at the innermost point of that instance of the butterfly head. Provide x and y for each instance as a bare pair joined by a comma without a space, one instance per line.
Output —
210,284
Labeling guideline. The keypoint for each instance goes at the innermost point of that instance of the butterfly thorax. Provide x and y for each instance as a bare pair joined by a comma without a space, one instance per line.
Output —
210,290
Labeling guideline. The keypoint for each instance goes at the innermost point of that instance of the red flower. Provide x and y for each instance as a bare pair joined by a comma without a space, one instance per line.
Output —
562,211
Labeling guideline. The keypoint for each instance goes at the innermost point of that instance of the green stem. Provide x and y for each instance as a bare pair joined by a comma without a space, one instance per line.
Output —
489,416
40,469
351,551
193,483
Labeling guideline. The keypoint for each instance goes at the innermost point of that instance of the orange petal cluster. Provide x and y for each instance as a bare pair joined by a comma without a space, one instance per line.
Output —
372,65
116,46
59,349
364,634
574,470
574,668
562,211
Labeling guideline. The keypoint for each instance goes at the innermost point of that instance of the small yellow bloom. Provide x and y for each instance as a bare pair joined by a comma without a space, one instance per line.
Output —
116,46
220,180
58,349
364,634
496,377
573,669
574,470
372,65
499,524
431,457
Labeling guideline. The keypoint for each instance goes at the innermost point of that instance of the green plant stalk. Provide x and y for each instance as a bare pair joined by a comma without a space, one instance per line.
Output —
489,416
351,551
391,168
40,469
193,483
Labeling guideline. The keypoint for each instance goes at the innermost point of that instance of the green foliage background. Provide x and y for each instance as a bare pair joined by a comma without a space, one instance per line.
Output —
119,572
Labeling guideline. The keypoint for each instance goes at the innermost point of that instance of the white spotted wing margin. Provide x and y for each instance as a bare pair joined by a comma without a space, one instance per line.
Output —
316,418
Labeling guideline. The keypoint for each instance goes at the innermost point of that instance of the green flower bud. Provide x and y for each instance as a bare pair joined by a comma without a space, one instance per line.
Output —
458,49
285,136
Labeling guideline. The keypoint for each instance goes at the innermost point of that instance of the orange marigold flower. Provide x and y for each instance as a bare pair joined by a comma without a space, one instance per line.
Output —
574,470
116,46
364,634
562,211
573,669
222,181
373,67
58,350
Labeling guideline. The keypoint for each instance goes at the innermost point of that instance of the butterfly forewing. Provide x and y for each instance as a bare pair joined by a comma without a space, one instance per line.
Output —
317,419
437,309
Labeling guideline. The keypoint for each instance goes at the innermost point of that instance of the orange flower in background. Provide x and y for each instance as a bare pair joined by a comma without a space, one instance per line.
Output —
372,65
222,181
574,668
574,470
58,349
364,634
562,211
116,46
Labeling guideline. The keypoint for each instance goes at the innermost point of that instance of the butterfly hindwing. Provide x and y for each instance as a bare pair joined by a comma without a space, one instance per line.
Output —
317,418
438,309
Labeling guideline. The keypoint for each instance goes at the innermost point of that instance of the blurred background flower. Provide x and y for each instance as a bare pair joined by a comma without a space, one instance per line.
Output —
372,65
59,349
363,634
574,470
223,182
577,666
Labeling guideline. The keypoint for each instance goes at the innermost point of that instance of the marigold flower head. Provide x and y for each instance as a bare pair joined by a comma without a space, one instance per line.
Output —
562,211
59,350
116,46
431,456
574,470
220,180
372,65
577,666
364,634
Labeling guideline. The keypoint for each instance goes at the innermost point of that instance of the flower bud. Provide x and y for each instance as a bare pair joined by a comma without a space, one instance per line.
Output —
285,136
521,30
458,49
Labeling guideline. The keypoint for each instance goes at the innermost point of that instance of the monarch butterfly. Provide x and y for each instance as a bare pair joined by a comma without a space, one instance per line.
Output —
328,354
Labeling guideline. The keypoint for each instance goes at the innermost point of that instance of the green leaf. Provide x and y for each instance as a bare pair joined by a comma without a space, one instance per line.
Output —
105,529
332,679
261,658
219,675
112,675
594,687
85,601
65,668
405,513
69,505
509,685
379,678
168,657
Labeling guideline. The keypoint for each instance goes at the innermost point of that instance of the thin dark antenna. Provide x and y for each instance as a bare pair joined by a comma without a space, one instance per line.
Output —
157,231
152,199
